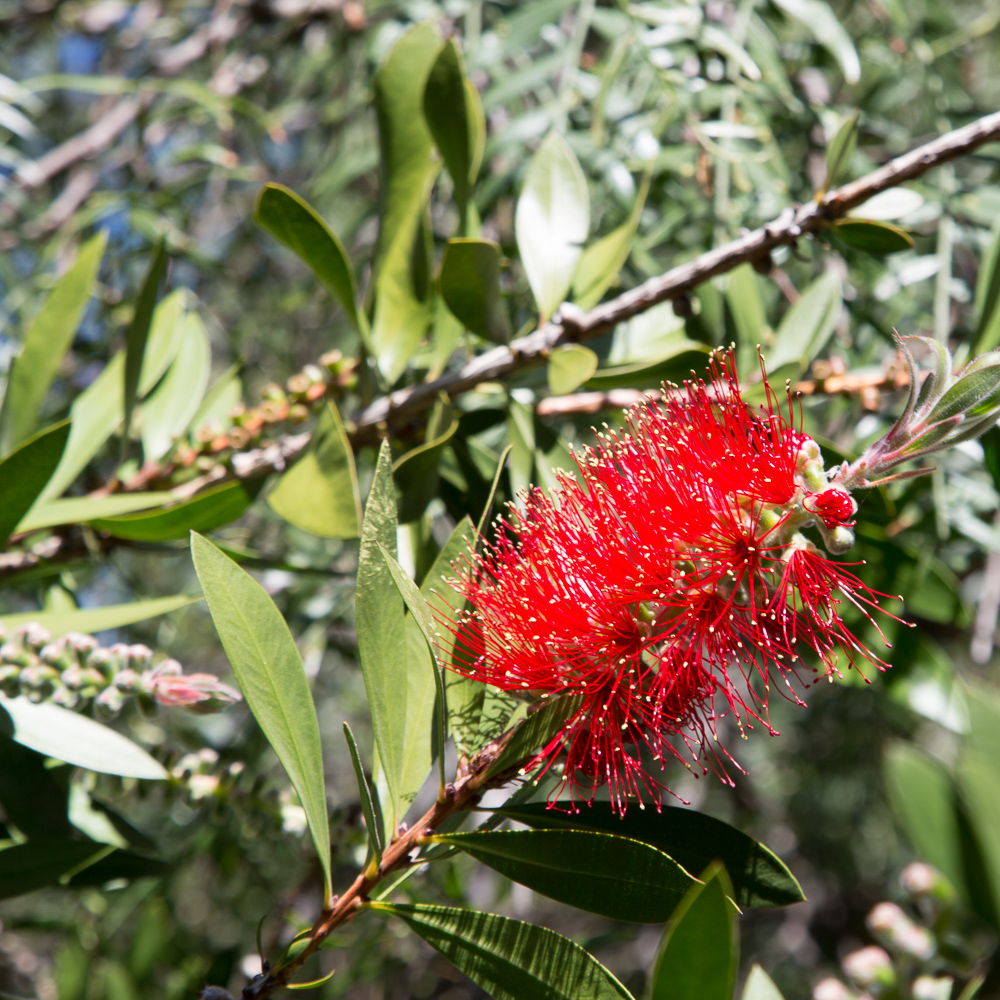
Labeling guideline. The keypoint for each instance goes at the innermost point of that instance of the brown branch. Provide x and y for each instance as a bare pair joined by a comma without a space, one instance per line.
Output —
462,795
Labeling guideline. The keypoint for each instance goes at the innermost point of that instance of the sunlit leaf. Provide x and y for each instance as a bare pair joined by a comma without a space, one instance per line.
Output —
818,17
319,493
77,510
807,324
46,341
873,236
269,671
552,222
76,739
760,987
569,367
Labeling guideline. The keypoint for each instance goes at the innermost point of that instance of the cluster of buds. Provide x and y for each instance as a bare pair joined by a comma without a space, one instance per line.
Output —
202,779
280,406
75,670
918,956
943,409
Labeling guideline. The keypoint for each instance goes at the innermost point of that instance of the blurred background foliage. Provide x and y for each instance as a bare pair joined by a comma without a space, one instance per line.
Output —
691,122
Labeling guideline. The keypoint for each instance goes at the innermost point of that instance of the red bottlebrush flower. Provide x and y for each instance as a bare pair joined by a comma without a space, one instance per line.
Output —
666,584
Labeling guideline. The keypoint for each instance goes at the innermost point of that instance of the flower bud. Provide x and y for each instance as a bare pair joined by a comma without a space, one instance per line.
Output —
921,881
931,988
204,692
831,989
890,925
870,969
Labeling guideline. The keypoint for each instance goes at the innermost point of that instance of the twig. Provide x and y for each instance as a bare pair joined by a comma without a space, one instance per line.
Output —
463,794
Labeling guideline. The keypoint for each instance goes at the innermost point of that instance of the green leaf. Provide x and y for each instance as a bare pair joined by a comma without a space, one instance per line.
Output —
569,367
619,878
873,236
402,288
220,399
966,393
535,733
807,325
269,670
97,619
48,337
889,205
46,862
923,798
448,118
983,705
692,839
509,959
760,987
98,410
25,472
683,357
205,512
137,334
319,493
987,297
416,475
979,783
75,739
700,951
365,794
382,637
840,151
78,510
470,286
818,17
746,306
168,410
551,222
297,225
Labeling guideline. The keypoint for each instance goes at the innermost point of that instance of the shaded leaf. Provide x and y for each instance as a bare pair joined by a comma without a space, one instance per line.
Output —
551,222
979,783
840,151
987,297
205,512
619,878
416,475
25,472
48,337
700,951
297,225
509,959
319,493
535,733
569,367
923,799
873,236
77,510
46,862
470,286
692,839
886,206
269,670
447,115
75,739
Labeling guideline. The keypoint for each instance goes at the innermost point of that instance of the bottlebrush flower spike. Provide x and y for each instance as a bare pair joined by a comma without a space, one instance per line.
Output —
668,583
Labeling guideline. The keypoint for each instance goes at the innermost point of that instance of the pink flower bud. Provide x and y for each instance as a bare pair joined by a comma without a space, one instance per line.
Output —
205,692
831,989
870,969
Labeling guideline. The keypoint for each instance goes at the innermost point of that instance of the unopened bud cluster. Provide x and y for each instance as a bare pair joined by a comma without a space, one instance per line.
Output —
76,670
917,956
292,404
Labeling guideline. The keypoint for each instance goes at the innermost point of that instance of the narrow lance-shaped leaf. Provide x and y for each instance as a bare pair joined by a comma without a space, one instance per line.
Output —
367,802
39,863
873,236
297,225
551,222
535,733
77,510
509,959
840,151
137,334
98,619
48,337
691,838
700,951
319,493
417,607
619,878
269,670
381,635
25,472
416,473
